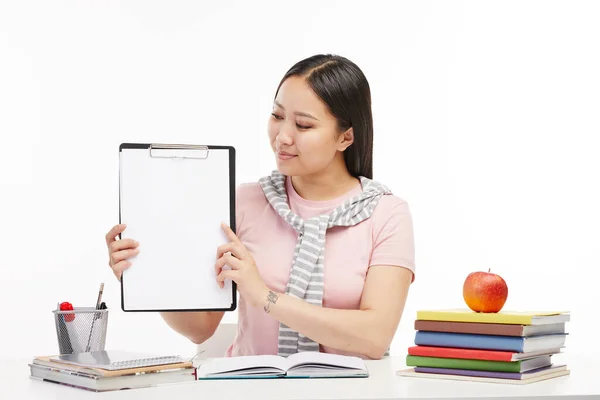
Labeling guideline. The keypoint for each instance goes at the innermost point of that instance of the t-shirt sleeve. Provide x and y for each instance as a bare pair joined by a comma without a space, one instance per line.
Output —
393,238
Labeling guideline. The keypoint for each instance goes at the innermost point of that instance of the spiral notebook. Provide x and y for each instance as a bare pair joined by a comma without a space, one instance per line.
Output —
113,360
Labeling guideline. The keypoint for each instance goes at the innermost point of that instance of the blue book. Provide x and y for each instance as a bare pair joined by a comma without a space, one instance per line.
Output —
490,342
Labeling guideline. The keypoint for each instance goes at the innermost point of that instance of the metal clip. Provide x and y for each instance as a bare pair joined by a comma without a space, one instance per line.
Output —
178,151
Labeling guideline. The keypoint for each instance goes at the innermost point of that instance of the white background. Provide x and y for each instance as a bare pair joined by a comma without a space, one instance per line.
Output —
486,122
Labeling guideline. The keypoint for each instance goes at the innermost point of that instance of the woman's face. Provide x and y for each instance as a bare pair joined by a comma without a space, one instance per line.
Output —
302,131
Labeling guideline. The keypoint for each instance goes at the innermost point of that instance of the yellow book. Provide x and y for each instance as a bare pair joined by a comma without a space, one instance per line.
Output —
501,317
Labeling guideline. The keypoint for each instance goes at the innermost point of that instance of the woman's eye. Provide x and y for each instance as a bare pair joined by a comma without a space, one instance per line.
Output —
299,126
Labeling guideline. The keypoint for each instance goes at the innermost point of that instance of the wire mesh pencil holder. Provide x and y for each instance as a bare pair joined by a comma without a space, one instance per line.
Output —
81,330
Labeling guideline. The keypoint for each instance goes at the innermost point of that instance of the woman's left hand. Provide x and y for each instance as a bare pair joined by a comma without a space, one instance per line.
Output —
243,269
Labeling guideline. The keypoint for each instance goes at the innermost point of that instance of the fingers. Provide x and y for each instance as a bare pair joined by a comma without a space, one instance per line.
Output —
224,248
229,233
122,255
219,265
119,267
112,234
237,249
229,260
226,274
123,244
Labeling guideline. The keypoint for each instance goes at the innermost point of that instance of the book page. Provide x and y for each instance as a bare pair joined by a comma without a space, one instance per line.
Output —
239,364
324,360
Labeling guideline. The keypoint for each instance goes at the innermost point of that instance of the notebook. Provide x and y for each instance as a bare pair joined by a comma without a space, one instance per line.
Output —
131,380
488,328
113,360
519,366
501,317
299,365
477,354
487,376
490,342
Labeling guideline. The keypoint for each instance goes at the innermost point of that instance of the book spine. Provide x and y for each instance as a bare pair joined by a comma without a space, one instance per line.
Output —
470,327
469,341
455,363
470,354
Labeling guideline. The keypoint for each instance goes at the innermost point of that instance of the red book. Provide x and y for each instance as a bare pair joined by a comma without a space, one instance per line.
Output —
474,354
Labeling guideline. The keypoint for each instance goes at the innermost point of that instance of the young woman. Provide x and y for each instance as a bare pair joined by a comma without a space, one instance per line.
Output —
323,257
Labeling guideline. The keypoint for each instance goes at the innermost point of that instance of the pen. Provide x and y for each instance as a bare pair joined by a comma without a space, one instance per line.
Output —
96,316
99,296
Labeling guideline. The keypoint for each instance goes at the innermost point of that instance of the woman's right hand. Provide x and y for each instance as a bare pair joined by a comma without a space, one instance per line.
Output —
119,251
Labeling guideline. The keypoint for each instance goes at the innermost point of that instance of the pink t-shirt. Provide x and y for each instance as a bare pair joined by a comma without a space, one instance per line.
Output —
386,238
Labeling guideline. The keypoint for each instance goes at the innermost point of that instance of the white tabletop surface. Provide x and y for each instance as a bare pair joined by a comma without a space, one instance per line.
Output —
583,382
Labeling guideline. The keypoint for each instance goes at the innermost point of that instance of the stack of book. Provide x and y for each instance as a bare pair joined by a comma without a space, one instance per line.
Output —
103,371
503,347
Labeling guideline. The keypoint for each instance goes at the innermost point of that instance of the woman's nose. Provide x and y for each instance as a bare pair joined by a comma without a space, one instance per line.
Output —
285,136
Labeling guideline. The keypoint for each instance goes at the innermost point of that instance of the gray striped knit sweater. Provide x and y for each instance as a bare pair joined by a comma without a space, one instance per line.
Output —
307,272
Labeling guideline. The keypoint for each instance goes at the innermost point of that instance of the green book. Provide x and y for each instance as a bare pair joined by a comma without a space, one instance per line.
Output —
480,365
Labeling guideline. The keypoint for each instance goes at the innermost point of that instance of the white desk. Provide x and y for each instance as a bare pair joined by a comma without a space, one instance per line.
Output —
584,382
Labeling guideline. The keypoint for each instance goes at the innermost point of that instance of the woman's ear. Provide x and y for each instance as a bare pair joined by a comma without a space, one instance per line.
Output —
345,139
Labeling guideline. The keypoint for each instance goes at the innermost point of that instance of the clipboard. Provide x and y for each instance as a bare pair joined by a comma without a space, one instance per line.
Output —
173,198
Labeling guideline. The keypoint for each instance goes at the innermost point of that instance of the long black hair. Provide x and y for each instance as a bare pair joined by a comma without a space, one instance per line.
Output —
345,90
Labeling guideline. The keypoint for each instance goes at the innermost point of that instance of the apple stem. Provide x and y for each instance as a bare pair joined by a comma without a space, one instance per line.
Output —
489,269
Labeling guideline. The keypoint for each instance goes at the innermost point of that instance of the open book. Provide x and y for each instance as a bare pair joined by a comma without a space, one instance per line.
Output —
299,365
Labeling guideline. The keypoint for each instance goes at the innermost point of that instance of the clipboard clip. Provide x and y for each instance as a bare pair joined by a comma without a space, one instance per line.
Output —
178,151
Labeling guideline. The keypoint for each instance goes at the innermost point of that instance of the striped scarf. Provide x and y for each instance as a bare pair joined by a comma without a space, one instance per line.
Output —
307,272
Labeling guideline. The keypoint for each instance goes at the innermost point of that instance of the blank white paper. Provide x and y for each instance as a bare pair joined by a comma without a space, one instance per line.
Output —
174,207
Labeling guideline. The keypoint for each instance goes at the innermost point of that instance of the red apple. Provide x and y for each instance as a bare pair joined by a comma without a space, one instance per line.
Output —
485,291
